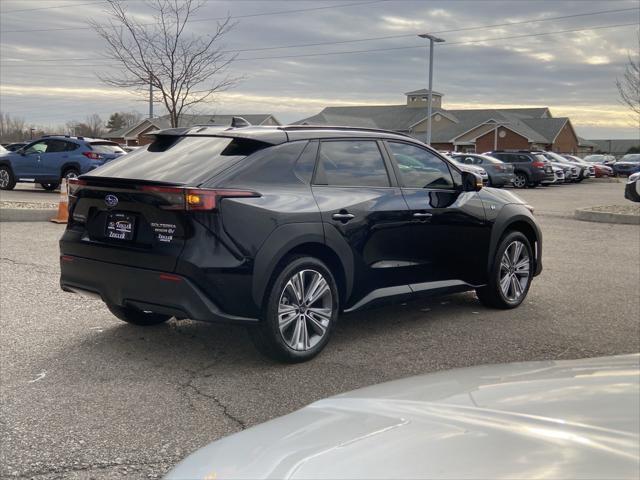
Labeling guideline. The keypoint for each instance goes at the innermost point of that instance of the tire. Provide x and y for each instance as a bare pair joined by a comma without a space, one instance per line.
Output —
296,336
502,294
137,317
49,186
70,173
521,180
7,179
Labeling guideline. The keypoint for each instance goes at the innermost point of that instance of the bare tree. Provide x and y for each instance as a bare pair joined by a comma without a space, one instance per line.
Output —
93,126
629,84
184,69
12,129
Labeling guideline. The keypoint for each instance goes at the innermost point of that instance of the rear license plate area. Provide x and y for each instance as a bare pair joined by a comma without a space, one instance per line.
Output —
120,226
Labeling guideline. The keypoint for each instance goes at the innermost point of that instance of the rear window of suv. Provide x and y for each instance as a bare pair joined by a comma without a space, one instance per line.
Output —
180,160
106,147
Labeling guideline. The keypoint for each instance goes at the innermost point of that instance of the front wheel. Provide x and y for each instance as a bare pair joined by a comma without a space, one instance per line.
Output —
137,317
7,180
300,311
49,186
511,273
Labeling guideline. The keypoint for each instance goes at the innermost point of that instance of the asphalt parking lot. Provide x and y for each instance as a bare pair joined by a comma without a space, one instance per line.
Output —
85,395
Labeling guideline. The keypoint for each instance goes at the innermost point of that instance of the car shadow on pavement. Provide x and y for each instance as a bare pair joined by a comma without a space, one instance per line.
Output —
191,344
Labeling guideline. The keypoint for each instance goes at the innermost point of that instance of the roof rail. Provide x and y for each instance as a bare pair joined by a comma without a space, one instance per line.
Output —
340,127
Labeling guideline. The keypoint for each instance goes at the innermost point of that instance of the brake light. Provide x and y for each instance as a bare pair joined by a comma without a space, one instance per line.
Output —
73,185
500,168
538,164
92,155
194,199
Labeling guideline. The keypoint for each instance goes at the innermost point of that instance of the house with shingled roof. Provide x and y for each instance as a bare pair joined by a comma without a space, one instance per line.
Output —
468,130
135,135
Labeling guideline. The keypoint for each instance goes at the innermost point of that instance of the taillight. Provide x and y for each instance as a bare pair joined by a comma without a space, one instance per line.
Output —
73,185
538,164
500,168
194,199
92,155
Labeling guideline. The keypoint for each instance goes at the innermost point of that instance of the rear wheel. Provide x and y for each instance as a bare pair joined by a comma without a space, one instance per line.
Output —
70,173
7,180
300,311
49,186
137,317
511,273
521,180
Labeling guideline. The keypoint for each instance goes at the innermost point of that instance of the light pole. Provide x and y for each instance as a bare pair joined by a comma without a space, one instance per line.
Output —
431,39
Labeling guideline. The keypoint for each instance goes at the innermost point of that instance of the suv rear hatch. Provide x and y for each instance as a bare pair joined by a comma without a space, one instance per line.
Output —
141,210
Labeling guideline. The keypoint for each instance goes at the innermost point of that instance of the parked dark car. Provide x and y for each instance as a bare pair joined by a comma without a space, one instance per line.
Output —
500,173
628,164
282,228
50,159
530,168
12,147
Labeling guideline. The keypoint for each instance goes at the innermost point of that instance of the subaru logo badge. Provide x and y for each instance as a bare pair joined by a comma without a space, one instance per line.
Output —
111,200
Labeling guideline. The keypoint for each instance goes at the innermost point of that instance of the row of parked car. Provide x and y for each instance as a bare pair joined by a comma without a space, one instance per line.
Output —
525,168
49,159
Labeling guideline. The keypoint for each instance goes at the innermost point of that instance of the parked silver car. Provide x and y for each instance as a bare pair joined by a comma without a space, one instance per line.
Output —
500,173
575,171
553,419
588,170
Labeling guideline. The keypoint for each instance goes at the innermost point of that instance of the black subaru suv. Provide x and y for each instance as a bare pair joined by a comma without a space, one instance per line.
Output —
530,168
282,228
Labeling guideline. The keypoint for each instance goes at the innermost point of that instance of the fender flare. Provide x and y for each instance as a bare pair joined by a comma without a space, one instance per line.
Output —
66,166
287,237
510,214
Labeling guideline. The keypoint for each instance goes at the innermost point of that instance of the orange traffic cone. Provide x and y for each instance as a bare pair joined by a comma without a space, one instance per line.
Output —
63,204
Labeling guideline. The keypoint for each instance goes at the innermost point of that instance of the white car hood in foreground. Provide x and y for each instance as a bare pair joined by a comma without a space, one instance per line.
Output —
565,419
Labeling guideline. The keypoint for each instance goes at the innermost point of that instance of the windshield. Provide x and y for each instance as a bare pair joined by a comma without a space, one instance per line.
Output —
633,157
594,158
180,160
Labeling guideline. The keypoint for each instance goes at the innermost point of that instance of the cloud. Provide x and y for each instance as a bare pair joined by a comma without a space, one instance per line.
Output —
568,72
597,60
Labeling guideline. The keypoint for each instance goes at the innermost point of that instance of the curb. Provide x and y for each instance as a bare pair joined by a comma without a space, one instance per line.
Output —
607,217
26,214
603,180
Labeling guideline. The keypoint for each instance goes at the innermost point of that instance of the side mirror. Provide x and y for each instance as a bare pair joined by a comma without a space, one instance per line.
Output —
471,182
21,151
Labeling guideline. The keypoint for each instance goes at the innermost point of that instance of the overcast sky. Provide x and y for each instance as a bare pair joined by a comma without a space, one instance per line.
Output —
573,73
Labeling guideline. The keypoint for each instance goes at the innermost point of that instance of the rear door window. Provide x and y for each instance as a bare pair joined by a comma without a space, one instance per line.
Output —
56,146
352,163
180,160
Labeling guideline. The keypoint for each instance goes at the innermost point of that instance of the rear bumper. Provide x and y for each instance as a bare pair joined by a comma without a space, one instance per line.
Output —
140,288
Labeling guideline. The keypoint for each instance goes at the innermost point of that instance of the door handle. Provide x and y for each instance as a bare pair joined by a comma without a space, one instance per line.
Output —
423,215
343,217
